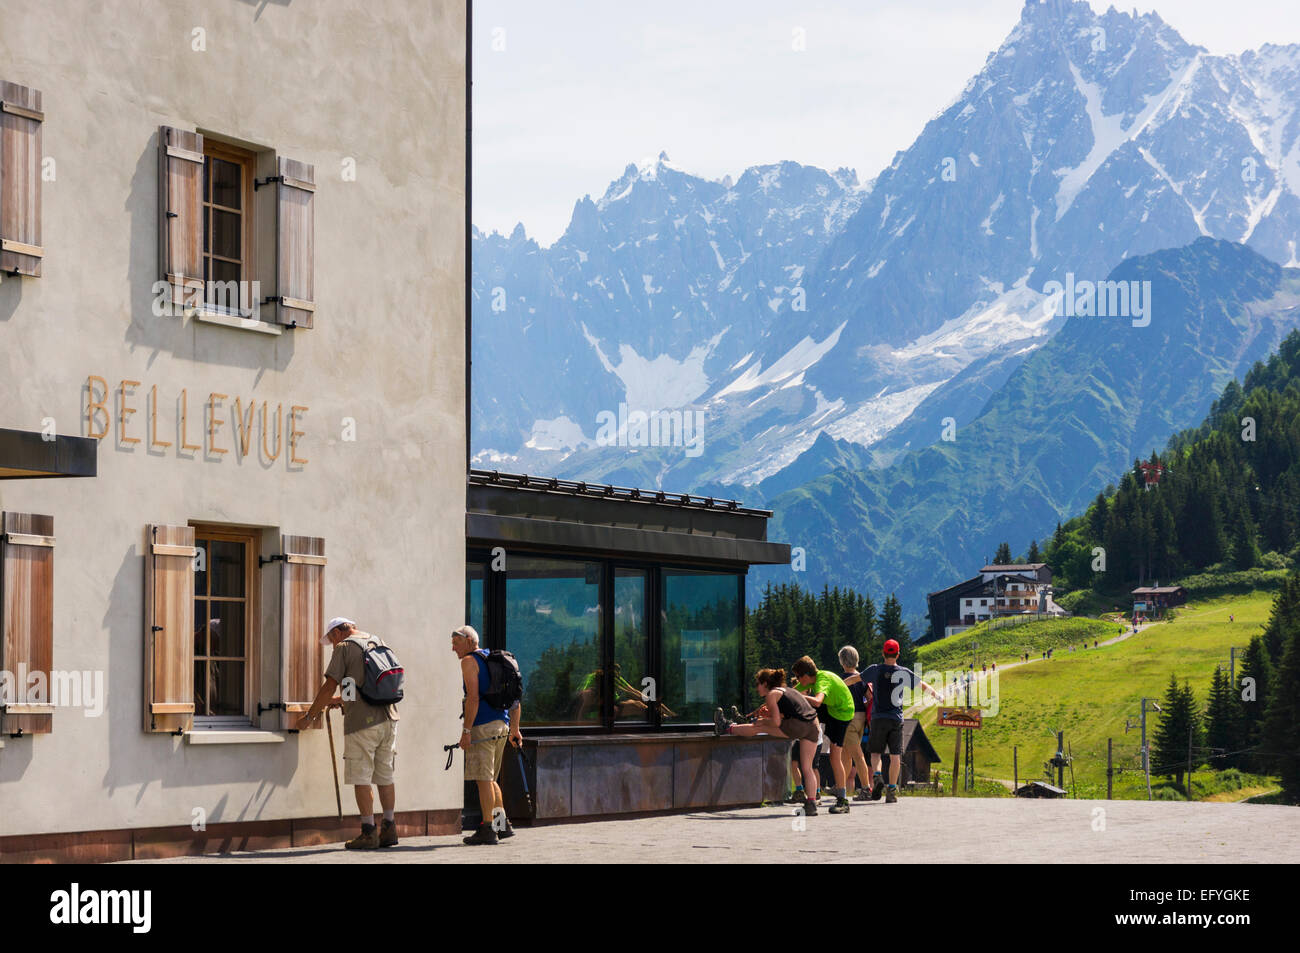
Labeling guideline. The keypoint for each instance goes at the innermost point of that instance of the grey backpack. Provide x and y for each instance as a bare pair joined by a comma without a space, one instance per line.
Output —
385,676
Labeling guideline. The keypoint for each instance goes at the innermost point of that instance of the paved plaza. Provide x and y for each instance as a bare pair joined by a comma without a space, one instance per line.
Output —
915,830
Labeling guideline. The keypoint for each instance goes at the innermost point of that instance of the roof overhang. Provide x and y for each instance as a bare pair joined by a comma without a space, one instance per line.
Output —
29,455
530,515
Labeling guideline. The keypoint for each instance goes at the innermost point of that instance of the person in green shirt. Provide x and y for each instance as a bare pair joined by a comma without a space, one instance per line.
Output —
833,701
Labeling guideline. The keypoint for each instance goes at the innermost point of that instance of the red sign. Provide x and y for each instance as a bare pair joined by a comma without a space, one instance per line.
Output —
960,718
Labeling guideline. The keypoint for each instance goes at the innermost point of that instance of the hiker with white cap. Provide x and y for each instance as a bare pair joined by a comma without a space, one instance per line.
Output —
369,731
488,720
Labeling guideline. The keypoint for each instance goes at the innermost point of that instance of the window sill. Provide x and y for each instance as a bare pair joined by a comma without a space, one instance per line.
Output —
236,736
235,321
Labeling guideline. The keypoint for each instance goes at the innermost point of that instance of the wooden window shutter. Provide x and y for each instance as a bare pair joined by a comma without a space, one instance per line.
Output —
295,246
169,629
21,119
180,213
27,611
302,607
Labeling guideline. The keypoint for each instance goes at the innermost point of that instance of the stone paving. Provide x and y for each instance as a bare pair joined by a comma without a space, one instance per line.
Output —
913,831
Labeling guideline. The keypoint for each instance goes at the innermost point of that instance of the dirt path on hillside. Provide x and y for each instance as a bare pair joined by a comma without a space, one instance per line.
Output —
959,690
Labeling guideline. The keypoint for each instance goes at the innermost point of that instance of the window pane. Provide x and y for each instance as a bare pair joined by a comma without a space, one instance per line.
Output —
226,564
200,628
226,238
226,688
207,237
225,624
630,646
226,178
200,689
553,629
201,569
474,579
701,644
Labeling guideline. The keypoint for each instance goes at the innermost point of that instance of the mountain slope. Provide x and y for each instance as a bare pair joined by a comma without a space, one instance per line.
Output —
1070,418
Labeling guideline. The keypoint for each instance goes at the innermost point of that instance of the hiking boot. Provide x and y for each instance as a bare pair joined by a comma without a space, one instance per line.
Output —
736,717
506,831
368,839
877,788
388,834
841,806
720,723
891,794
795,797
862,795
483,835
809,808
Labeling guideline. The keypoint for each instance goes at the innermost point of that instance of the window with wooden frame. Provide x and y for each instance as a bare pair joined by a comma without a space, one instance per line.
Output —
225,614
236,232
228,237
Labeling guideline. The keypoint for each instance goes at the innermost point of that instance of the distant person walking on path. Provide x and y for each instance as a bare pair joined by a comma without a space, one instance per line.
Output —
785,713
484,738
887,682
833,701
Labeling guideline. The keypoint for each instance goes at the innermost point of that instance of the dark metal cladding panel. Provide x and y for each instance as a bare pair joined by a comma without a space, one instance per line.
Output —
692,782
554,781
610,779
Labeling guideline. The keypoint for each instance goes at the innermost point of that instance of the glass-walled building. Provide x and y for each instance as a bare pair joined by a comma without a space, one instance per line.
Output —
624,608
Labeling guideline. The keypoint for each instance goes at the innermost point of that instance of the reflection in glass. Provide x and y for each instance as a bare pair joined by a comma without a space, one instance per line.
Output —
553,629
475,576
632,697
701,616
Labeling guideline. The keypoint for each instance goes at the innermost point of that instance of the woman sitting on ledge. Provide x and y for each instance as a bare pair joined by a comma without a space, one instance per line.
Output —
785,713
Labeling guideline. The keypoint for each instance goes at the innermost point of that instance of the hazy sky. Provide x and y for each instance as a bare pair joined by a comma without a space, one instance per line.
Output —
568,92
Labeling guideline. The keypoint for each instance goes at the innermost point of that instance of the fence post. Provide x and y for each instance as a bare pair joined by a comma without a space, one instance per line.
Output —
1110,766
1015,770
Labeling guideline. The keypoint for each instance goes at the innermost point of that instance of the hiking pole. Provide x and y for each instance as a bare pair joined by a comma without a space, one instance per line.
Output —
523,777
334,762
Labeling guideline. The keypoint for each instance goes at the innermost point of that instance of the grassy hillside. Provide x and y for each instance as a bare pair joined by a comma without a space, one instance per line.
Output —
1089,695
1007,643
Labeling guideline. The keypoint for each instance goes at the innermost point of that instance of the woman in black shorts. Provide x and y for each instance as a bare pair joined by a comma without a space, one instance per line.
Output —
785,713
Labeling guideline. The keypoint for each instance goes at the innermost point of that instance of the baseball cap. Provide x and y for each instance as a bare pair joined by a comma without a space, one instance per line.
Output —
468,631
334,623
891,647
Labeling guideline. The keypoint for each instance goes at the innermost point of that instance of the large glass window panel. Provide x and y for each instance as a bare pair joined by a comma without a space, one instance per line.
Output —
553,629
475,577
701,616
630,648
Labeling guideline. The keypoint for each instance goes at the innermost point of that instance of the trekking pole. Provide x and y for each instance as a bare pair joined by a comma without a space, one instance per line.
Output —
334,762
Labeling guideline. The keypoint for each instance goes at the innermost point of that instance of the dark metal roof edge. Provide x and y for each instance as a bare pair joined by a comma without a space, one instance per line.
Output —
487,529
605,491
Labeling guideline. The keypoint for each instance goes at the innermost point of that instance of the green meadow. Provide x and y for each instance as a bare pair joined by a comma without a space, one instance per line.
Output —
1091,694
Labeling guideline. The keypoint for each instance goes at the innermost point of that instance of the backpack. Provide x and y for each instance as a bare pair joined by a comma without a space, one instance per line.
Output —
384,674
505,683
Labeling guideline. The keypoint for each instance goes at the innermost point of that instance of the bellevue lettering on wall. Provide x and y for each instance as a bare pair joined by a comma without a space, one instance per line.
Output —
218,422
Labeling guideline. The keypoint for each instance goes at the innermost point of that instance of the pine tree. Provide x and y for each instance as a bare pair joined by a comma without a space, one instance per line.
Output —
1254,680
1034,556
1178,719
1003,557
1280,737
1224,723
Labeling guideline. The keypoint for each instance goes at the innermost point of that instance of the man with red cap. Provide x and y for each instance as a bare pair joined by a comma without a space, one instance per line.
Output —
887,682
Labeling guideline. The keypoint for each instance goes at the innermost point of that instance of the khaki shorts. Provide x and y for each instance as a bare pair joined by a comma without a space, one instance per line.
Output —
369,755
853,735
484,758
